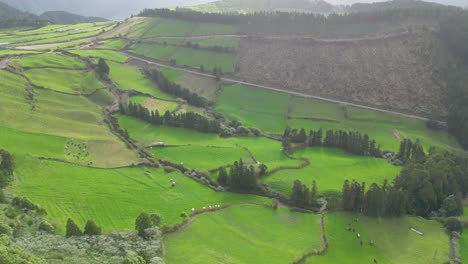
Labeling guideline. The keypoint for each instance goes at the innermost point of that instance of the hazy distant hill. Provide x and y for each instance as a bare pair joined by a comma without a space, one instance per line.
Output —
315,6
111,9
62,17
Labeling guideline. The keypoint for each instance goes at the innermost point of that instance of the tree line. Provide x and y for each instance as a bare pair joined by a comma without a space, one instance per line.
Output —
175,89
433,186
280,17
411,151
188,120
353,142
303,196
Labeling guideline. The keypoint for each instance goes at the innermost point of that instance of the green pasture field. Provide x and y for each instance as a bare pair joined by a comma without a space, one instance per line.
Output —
59,115
203,86
393,240
387,129
200,157
171,74
250,106
330,168
114,44
130,78
264,150
161,27
464,246
105,54
154,104
186,56
113,198
66,81
245,234
258,108
226,42
51,60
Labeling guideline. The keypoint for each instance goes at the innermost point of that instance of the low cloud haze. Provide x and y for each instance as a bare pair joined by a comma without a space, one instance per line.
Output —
120,9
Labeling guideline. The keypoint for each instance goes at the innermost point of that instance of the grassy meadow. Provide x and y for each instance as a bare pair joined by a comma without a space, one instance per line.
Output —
330,168
203,86
393,241
264,150
186,56
200,157
154,104
66,81
257,108
108,55
51,60
464,246
387,129
113,198
245,234
131,78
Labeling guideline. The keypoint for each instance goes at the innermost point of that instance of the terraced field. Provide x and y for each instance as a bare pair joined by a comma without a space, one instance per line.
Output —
249,234
330,168
392,239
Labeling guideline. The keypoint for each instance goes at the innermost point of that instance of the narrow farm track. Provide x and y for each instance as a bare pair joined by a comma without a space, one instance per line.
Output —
276,89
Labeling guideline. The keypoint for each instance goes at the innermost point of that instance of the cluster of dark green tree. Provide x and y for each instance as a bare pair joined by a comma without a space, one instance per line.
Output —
353,142
145,221
91,229
241,178
102,68
189,120
377,201
7,166
453,30
434,186
302,196
175,89
411,151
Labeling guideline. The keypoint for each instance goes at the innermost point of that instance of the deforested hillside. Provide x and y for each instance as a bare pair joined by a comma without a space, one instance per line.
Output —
400,72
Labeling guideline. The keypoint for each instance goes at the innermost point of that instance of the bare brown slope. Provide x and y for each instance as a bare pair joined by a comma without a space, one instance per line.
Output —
398,72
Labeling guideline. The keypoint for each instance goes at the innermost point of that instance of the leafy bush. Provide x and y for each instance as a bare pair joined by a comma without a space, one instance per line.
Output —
23,203
452,224
5,229
47,227
134,260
